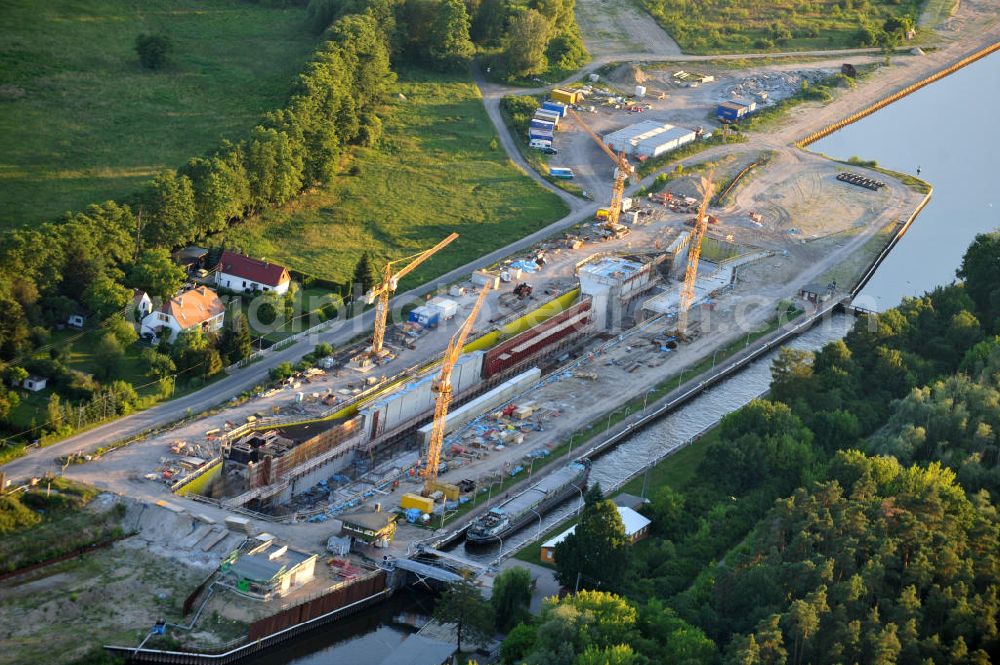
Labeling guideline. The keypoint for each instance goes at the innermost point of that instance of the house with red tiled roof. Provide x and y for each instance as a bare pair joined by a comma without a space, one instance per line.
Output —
197,308
242,273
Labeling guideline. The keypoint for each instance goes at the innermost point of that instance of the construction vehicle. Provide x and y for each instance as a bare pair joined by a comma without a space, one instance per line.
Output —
694,254
442,386
623,172
381,294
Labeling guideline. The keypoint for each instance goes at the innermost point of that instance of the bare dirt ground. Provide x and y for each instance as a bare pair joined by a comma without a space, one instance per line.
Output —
612,27
116,594
111,596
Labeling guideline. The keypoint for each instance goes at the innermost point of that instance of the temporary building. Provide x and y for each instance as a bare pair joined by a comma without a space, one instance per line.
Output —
269,569
426,316
636,528
558,107
666,141
550,116
447,306
648,138
565,96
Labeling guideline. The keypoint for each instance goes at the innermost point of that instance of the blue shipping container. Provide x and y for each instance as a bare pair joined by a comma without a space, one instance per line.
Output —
428,317
539,134
728,112
555,106
542,124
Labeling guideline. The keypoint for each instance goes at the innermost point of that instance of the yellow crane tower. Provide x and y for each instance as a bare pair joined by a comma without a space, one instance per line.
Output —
622,173
442,386
390,280
694,254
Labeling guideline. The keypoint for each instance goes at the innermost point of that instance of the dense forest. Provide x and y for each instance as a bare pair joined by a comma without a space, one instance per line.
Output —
89,261
848,518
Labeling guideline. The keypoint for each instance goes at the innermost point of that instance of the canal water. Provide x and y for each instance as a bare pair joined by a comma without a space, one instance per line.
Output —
953,155
366,637
948,131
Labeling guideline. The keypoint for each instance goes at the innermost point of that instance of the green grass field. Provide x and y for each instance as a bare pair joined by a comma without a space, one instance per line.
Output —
81,122
436,170
736,26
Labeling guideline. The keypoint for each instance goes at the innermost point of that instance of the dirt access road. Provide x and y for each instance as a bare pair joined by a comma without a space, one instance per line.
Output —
614,27
974,26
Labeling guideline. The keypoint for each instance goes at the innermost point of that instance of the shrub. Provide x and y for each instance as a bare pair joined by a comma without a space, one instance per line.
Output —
153,50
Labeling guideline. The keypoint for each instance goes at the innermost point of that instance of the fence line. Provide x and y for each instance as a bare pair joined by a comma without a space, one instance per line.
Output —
896,96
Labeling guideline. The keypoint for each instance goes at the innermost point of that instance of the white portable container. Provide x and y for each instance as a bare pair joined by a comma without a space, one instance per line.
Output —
447,307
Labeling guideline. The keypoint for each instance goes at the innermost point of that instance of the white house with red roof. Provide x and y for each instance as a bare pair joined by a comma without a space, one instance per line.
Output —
242,273
197,308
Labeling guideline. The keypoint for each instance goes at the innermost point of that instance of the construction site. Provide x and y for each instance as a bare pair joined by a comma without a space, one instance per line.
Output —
353,466
607,308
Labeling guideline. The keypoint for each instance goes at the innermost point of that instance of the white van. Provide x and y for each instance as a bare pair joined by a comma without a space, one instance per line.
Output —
538,144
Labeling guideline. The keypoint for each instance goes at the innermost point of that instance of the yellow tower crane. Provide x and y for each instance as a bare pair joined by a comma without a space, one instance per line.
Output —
622,173
694,254
442,386
390,280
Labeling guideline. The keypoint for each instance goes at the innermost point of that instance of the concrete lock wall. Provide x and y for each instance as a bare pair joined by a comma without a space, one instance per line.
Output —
415,399
484,402
307,480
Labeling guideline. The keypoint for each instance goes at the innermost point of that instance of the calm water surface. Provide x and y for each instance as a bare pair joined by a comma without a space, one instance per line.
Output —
946,129
949,131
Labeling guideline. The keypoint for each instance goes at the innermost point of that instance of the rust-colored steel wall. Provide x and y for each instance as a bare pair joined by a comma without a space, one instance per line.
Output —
311,609
520,347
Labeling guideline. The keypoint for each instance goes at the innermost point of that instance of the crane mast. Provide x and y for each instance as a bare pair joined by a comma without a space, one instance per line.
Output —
622,173
381,294
694,255
442,386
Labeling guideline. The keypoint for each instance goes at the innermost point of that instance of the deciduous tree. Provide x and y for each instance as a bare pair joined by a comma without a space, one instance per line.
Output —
527,40
153,50
450,45
463,605
511,597
171,211
106,296
156,273
597,552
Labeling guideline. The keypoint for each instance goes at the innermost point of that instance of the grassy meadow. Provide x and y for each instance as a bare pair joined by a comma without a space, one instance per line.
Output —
437,169
81,122
736,26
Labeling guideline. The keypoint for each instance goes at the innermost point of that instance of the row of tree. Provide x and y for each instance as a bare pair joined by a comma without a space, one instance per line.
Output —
90,261
523,40
887,547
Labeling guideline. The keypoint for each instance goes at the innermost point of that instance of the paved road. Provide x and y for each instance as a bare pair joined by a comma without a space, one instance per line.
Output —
40,461
338,334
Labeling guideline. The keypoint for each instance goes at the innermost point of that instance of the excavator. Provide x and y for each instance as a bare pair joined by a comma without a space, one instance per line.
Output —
442,386
381,294
623,172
